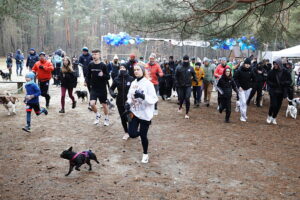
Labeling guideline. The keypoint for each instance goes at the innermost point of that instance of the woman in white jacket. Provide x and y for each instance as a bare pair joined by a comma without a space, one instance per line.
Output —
141,99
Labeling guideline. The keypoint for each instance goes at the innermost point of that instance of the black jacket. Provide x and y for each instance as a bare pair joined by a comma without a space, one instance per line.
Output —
114,69
227,85
84,61
278,81
32,59
68,79
129,66
122,83
184,76
96,82
259,76
243,78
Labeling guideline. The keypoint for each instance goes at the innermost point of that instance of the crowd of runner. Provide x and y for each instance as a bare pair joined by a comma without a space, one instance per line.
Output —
136,85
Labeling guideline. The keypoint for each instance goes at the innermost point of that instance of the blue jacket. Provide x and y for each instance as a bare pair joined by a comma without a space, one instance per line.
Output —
33,89
84,61
32,59
19,57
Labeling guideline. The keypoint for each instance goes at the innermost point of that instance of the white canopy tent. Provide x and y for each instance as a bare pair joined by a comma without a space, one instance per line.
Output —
293,52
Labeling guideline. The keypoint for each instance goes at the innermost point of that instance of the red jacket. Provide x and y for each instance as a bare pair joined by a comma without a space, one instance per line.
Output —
153,71
43,74
219,71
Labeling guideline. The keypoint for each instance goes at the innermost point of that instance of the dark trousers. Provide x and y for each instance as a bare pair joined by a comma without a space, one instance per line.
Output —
63,96
56,73
290,93
44,87
156,90
138,127
184,94
257,89
275,104
225,104
197,93
121,110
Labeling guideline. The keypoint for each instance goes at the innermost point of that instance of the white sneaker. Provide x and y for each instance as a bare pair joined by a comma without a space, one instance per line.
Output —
186,117
145,158
218,108
243,119
269,119
97,119
126,136
274,121
106,122
155,112
179,110
168,98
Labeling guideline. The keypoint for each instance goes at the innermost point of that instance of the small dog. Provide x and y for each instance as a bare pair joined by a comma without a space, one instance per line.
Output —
292,110
81,95
9,102
78,159
110,104
5,76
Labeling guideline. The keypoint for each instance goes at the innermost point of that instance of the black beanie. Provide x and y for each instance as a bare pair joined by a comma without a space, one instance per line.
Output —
186,57
247,61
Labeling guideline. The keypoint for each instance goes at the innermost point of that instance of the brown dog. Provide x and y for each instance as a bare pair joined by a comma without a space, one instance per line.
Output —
9,102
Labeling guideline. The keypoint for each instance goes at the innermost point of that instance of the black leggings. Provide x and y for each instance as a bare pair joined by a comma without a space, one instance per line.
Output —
134,132
225,103
121,110
255,89
184,94
44,86
275,104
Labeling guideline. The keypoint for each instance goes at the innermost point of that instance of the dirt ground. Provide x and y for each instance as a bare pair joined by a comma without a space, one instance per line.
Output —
200,158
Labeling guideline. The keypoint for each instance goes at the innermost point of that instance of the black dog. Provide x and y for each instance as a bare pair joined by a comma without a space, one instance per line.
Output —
78,159
81,94
5,76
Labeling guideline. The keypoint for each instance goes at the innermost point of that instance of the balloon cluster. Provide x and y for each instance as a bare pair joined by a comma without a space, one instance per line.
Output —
121,39
228,44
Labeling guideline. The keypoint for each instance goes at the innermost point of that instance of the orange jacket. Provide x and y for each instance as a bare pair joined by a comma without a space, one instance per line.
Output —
219,71
153,71
200,75
43,74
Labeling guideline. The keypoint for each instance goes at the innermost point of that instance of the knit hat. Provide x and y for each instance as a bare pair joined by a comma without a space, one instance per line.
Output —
247,61
132,56
142,67
31,49
186,57
30,75
206,60
116,57
85,49
42,53
223,59
152,55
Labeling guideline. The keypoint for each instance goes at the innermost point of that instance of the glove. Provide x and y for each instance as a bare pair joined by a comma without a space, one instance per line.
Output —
127,106
29,97
41,67
138,94
113,95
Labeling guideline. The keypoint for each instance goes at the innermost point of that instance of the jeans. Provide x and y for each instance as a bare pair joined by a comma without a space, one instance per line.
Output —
197,93
19,68
207,87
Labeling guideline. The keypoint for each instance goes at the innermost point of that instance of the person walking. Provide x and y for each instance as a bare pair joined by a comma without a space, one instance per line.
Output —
219,72
244,78
141,99
259,79
57,64
31,59
32,100
43,69
114,66
97,78
166,82
9,63
122,82
278,82
208,80
226,85
184,74
130,65
154,71
19,62
197,88
68,81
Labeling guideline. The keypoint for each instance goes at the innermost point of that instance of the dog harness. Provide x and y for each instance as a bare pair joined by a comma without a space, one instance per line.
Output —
85,153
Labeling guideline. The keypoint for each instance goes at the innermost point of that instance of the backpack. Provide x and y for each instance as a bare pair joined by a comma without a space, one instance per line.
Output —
56,59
